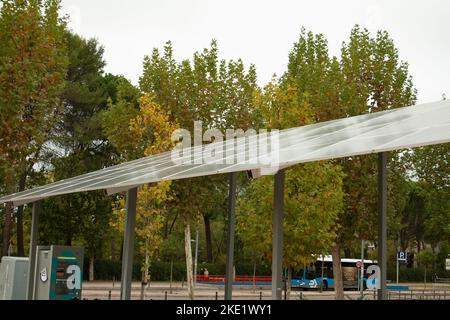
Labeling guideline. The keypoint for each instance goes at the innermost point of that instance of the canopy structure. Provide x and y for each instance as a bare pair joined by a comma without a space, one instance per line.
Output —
371,133
378,132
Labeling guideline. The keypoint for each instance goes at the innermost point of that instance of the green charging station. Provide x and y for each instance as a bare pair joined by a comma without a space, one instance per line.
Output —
58,273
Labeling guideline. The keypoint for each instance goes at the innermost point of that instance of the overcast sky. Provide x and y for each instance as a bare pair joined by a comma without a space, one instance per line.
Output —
263,32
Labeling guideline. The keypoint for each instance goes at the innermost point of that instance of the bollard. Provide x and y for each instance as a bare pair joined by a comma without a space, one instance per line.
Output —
217,295
260,295
301,295
399,295
109,295
165,295
374,294
411,295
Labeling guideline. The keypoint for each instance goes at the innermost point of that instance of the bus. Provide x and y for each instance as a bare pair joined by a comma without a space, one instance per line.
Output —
311,276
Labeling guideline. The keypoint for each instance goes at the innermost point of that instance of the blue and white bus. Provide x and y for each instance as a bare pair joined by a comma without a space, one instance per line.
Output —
311,276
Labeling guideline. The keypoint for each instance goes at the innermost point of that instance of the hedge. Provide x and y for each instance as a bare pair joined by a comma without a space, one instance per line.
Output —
160,270
416,275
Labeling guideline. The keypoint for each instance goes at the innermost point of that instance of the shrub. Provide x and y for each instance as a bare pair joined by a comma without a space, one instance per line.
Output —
160,270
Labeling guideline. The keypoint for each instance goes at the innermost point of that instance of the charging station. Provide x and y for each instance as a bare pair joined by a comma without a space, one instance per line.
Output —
58,273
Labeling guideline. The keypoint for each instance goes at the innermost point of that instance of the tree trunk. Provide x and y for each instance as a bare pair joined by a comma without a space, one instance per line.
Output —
209,253
121,249
289,283
91,268
146,266
113,248
19,227
347,253
10,186
337,272
7,229
254,275
166,227
188,252
425,278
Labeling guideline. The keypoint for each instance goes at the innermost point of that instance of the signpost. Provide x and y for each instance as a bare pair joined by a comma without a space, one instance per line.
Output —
402,257
447,264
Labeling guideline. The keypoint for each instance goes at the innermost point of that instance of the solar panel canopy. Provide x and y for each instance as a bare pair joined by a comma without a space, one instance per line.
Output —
393,129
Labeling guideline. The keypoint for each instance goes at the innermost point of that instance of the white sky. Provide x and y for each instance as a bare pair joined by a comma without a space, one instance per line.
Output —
263,32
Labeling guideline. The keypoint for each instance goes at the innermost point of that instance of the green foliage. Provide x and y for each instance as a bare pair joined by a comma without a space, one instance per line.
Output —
431,164
426,257
219,93
81,147
32,70
85,215
57,106
312,203
375,79
416,275
108,270
429,197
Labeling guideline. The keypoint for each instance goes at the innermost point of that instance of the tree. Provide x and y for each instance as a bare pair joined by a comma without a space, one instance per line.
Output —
218,93
152,200
32,70
313,192
375,80
149,132
317,79
431,166
369,77
78,145
426,259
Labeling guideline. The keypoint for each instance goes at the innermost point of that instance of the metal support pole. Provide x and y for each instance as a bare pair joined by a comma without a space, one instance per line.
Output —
128,245
277,243
32,255
230,240
382,222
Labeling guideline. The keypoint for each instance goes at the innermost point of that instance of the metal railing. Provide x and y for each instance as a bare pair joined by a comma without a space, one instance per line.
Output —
424,294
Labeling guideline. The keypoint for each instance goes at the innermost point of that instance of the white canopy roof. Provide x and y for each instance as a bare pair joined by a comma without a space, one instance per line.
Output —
393,129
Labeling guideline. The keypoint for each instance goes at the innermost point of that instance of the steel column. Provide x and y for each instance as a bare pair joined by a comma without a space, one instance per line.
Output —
128,245
230,241
382,222
32,254
277,243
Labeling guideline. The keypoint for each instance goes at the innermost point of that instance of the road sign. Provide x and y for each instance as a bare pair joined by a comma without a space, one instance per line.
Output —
358,264
402,256
447,264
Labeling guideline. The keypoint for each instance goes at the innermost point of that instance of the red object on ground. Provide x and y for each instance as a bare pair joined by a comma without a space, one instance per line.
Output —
221,278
